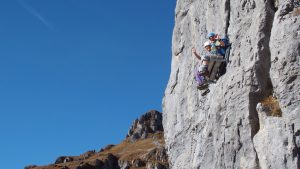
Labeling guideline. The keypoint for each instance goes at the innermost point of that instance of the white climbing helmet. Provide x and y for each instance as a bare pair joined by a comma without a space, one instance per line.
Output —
207,43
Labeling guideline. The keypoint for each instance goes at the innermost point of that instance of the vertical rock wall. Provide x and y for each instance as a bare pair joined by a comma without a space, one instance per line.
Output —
226,128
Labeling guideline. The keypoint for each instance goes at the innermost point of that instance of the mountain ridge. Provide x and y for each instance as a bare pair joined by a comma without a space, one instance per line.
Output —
143,148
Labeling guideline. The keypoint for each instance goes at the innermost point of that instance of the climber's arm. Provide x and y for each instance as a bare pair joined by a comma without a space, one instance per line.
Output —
196,54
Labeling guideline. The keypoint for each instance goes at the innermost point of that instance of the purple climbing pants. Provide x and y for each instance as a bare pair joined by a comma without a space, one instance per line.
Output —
199,78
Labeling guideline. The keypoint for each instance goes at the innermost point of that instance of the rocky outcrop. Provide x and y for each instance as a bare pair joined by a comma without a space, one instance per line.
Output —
111,161
155,166
228,128
144,150
106,148
30,166
151,122
85,166
63,159
88,154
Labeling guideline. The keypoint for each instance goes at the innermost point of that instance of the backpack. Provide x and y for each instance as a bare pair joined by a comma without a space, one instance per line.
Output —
226,42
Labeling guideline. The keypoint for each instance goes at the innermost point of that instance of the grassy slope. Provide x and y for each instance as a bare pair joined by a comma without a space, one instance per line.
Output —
125,151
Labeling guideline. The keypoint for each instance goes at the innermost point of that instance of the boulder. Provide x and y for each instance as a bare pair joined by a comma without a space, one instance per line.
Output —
111,162
63,159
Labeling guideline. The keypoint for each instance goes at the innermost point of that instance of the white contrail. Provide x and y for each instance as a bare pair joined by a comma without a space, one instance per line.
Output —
36,14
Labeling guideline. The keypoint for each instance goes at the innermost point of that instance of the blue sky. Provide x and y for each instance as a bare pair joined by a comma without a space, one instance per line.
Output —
74,74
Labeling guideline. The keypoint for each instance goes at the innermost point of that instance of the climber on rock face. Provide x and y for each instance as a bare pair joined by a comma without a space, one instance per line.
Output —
215,55
212,64
202,72
217,44
215,38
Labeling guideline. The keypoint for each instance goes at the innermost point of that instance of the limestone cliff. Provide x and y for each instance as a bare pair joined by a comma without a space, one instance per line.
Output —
233,126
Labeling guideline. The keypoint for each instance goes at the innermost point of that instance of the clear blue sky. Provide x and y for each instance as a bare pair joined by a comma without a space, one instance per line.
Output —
74,74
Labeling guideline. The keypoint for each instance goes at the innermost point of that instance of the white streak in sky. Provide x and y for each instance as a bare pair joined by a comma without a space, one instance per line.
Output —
36,14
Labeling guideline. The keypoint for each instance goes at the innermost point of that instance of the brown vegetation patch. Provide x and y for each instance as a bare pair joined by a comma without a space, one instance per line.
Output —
128,150
148,150
296,11
271,106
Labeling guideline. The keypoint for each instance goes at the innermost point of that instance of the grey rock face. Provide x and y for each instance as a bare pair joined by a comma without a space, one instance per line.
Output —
124,164
272,142
227,128
150,122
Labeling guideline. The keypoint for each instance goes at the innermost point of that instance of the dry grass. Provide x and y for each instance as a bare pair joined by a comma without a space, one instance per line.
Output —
130,151
271,105
126,151
296,11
